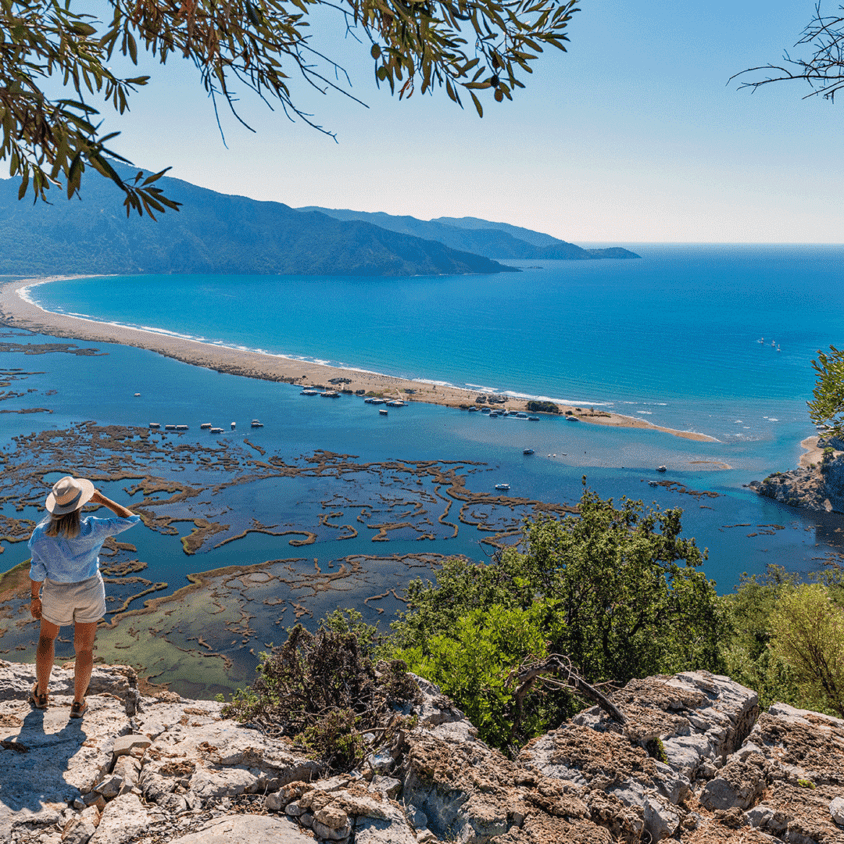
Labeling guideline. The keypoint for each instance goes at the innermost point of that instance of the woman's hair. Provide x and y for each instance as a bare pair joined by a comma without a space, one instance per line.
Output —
66,526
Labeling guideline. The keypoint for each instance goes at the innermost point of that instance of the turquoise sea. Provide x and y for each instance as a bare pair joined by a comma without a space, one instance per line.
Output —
674,338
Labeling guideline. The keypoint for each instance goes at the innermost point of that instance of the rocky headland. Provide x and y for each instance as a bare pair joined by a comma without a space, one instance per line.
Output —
695,761
817,484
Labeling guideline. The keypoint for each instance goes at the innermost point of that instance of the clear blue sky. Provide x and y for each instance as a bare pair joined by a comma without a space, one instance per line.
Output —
635,134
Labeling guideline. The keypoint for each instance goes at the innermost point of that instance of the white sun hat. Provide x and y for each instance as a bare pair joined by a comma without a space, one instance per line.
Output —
69,494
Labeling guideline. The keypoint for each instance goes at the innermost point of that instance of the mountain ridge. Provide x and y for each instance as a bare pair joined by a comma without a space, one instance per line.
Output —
493,240
213,233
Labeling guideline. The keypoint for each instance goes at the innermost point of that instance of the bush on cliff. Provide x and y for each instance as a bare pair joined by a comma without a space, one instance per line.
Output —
323,691
473,664
807,634
786,638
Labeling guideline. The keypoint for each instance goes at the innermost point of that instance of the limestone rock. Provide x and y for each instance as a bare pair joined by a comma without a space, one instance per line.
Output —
695,764
122,821
124,745
247,829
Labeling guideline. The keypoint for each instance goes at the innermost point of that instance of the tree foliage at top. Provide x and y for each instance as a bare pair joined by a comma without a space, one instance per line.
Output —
472,47
822,69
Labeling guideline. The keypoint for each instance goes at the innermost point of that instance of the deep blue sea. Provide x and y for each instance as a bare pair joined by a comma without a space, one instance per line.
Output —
714,339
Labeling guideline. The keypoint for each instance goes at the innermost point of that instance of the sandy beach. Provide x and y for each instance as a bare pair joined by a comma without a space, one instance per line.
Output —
17,312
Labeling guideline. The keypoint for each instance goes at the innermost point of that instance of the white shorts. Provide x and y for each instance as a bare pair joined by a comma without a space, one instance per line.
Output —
73,603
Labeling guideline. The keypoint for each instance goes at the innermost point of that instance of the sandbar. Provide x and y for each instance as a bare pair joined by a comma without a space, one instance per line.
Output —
812,453
17,312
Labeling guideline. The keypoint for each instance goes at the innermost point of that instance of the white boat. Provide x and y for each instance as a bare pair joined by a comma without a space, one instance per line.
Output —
383,411
154,425
395,403
330,394
137,395
309,392
257,424
661,469
216,430
169,427
234,425
182,428
502,486
205,426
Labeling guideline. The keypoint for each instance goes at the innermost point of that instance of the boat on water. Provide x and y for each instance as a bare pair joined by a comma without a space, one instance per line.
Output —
205,426
309,392
234,425
137,395
661,469
216,430
330,394
169,427
257,424
383,411
155,425
533,419
395,403
182,427
572,419
527,451
502,486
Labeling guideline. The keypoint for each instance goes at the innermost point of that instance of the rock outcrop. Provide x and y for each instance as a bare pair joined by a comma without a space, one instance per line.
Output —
695,762
816,486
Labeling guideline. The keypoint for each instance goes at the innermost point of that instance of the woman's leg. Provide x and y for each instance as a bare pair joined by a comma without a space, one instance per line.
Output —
45,654
83,643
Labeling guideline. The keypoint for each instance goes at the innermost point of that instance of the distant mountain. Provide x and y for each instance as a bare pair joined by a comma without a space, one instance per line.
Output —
212,233
528,235
494,240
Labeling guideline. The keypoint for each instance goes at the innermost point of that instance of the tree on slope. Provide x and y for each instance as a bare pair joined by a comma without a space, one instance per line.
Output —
474,47
827,408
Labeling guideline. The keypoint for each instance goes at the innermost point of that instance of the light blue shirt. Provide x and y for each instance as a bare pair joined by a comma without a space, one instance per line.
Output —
69,560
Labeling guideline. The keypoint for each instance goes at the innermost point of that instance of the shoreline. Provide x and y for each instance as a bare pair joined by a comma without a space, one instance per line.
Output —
17,312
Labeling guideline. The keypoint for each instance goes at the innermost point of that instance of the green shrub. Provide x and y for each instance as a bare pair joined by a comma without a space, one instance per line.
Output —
614,589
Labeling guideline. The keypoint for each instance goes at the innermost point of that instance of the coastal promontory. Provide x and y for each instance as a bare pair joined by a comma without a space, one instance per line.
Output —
817,484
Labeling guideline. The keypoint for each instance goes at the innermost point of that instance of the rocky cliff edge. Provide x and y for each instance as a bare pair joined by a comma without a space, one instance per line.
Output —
817,484
695,762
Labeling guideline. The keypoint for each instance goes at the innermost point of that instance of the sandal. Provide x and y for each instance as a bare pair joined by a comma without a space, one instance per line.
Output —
77,710
38,699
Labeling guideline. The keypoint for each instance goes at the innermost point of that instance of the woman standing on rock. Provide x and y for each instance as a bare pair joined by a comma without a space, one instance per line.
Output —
65,551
